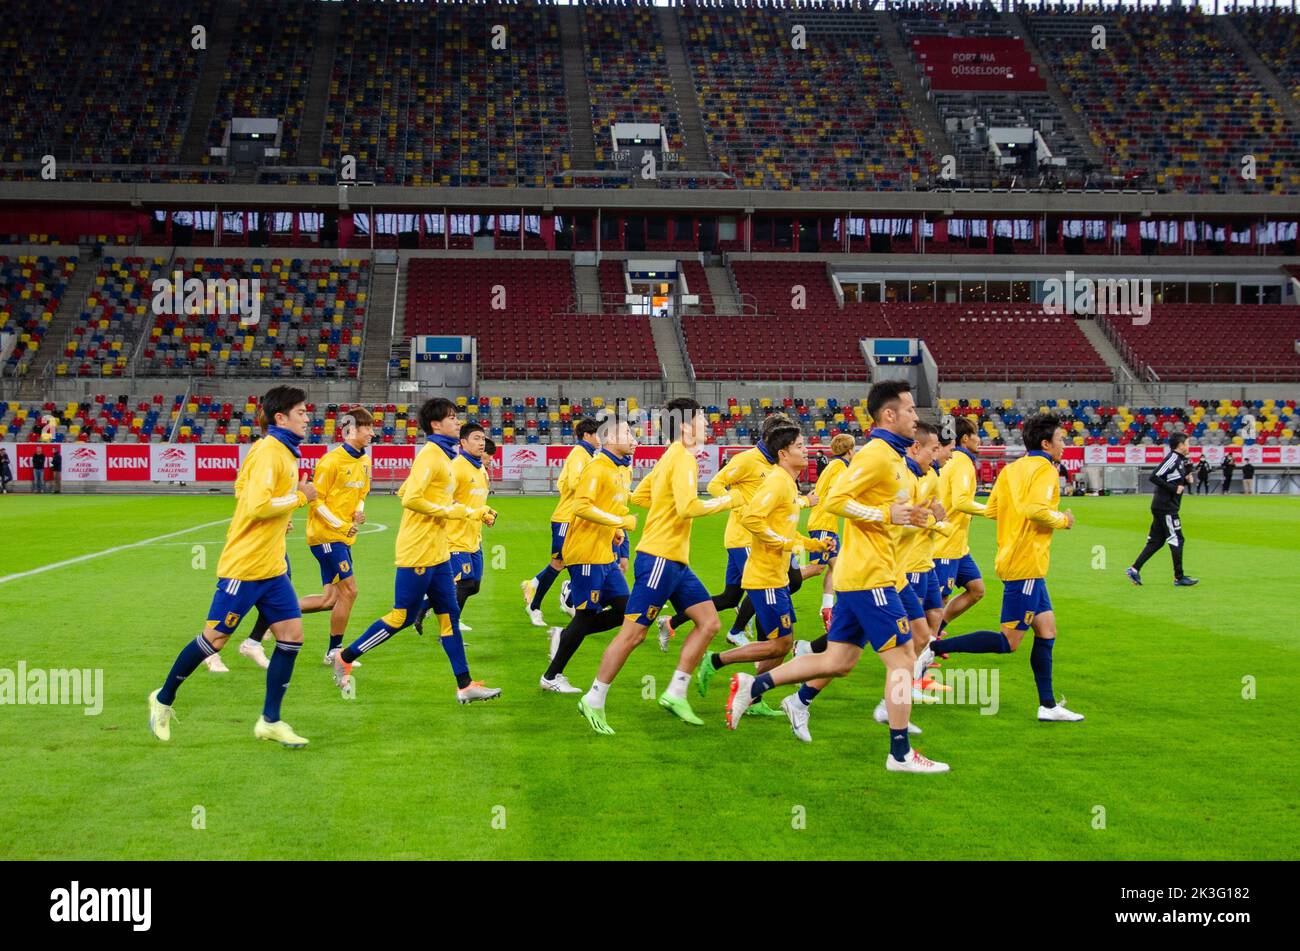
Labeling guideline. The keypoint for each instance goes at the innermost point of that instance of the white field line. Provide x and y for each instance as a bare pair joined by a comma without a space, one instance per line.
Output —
107,551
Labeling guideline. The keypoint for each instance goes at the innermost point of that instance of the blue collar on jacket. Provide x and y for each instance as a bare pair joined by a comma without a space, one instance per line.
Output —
288,438
448,444
897,442
618,460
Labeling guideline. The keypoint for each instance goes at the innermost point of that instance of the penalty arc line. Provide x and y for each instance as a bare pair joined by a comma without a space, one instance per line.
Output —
107,551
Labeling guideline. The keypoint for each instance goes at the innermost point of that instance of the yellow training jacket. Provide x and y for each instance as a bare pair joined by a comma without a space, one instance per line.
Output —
599,508
670,493
342,483
820,519
471,491
578,457
918,543
876,479
427,507
1024,501
739,478
266,494
957,483
772,520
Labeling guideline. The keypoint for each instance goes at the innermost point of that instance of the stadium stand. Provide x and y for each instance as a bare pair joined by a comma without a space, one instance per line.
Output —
830,117
268,72
989,341
1212,342
311,323
419,96
1091,422
101,83
543,421
115,314
31,288
1275,36
538,334
1144,99
627,75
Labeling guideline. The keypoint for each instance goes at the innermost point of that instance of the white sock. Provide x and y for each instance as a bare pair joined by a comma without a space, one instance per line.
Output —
677,688
828,600
596,695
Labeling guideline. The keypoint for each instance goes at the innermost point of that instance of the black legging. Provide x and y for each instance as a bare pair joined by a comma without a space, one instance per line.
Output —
584,623
466,588
729,598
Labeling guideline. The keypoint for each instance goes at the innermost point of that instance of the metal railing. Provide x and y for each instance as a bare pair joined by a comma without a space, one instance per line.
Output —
1028,373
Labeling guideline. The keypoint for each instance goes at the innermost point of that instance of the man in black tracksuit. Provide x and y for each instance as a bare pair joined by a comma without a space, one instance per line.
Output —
1170,480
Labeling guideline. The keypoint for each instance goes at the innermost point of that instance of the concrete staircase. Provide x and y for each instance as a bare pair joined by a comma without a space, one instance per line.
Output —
586,286
1106,350
195,144
668,345
688,103
725,301
379,333
582,137
918,107
1077,128
1229,33
60,329
311,134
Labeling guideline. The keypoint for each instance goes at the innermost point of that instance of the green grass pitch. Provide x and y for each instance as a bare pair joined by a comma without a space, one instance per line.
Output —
1172,760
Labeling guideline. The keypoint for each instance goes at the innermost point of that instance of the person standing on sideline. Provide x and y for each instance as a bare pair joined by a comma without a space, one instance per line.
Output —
6,474
1227,466
1248,478
1170,480
56,468
1203,476
38,471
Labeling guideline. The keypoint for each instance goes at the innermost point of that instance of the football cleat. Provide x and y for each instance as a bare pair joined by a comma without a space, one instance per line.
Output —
737,638
255,652
922,661
279,731
534,614
704,673
1133,575
329,657
343,677
215,664
558,684
761,709
679,707
553,633
1058,714
914,762
595,717
463,627
797,713
419,621
565,605
802,647
1185,582
881,715
666,632
739,700
476,691
160,717
826,618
